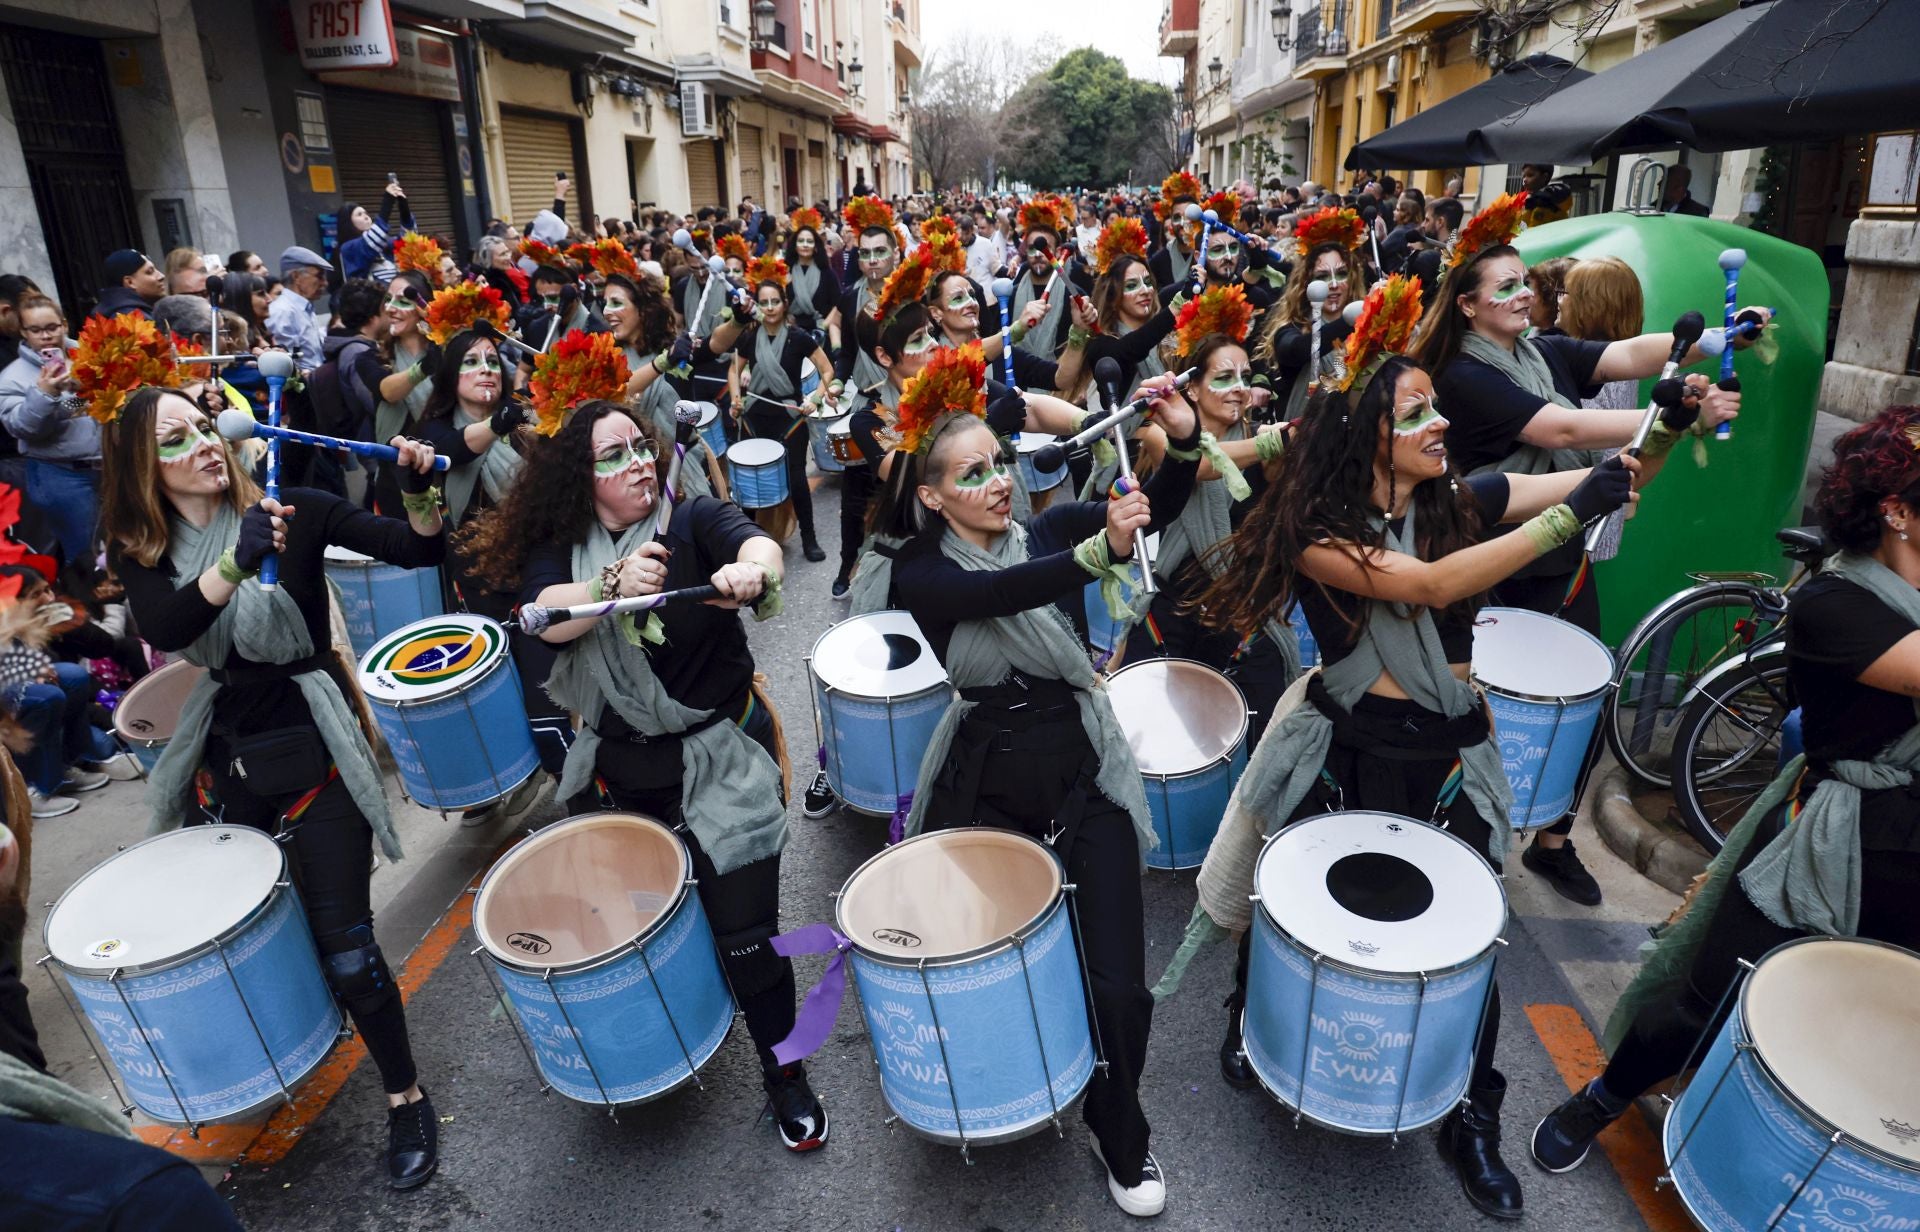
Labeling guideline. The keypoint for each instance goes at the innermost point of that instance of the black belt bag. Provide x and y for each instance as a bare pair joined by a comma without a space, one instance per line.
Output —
283,761
649,762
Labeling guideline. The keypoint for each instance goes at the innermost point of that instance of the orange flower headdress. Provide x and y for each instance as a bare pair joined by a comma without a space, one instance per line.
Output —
1329,226
1047,213
118,355
1179,184
954,382
937,226
867,213
581,367
1385,327
762,270
606,257
462,306
1121,237
420,253
946,255
732,244
541,253
906,285
1217,310
1490,228
808,217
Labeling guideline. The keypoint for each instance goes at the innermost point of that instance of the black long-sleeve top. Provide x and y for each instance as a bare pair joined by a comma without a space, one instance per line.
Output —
849,319
171,611
1290,346
1130,348
941,593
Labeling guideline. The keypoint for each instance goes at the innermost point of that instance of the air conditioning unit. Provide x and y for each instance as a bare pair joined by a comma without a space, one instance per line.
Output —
696,109
1390,75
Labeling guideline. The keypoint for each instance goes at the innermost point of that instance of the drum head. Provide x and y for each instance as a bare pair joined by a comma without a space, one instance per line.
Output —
841,424
1833,1019
1179,716
579,890
881,654
1381,892
432,658
163,898
150,711
1034,442
948,894
1528,654
756,451
708,413
337,555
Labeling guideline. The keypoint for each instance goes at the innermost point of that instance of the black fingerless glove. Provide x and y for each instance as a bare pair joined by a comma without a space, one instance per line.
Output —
1604,490
1007,413
510,416
1677,410
681,353
413,482
256,539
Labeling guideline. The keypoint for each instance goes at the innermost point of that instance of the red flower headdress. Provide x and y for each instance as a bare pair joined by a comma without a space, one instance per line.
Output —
762,270
1490,228
808,217
606,257
1217,310
1048,213
541,253
867,213
937,226
954,382
118,355
1385,327
906,285
420,253
1121,237
462,306
733,245
581,367
1328,226
1179,184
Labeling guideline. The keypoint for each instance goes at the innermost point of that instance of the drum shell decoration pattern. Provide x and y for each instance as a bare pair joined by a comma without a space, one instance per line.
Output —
616,1014
195,1020
874,745
1187,810
1543,737
377,598
986,1032
713,430
757,473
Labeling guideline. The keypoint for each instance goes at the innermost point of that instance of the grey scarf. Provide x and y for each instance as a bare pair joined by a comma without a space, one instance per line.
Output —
729,787
1041,339
265,626
805,280
1527,368
768,376
1038,642
658,401
26,1094
690,305
391,418
867,371
492,472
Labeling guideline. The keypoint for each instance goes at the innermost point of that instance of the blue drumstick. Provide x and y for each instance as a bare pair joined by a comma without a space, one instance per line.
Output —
276,367
237,425
1731,262
1003,291
1212,219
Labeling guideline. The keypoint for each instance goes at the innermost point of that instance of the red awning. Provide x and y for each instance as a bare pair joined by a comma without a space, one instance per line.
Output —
847,122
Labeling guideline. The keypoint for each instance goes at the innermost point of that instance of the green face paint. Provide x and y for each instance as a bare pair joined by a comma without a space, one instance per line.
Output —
1223,252
629,453
872,255
1414,418
400,303
959,301
919,344
979,476
1507,291
1133,286
1230,380
182,446
479,361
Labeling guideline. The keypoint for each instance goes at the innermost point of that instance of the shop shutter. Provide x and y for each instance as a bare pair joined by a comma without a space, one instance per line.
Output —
752,178
703,175
377,133
536,146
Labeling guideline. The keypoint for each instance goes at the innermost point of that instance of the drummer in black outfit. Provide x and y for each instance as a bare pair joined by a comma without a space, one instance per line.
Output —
1024,756
1287,335
562,545
1513,402
268,760
816,292
1853,659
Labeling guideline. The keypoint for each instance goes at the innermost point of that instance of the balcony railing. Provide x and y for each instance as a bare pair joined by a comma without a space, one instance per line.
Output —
1321,32
1384,23
1306,37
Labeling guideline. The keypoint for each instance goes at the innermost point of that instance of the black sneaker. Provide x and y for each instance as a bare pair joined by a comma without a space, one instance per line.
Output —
1562,868
811,548
413,1143
796,1110
840,586
1565,1135
819,800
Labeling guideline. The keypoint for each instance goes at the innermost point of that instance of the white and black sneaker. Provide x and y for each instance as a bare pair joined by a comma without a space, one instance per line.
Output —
798,1113
1143,1200
819,799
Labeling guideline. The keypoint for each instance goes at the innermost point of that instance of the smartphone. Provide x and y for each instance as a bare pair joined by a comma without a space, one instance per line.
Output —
561,175
392,178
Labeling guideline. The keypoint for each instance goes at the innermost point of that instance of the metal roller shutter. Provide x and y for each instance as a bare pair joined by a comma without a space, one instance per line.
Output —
536,147
703,175
377,133
753,180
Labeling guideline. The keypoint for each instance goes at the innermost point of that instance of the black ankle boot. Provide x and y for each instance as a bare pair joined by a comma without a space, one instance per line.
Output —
1233,1061
1470,1141
413,1143
810,546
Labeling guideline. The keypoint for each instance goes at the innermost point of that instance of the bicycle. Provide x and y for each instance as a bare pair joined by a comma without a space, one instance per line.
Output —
1683,639
1727,744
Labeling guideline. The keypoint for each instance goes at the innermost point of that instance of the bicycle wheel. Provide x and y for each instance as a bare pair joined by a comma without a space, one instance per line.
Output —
1726,747
1674,647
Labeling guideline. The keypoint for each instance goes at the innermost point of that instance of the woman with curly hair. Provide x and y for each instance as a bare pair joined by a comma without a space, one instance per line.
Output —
670,724
1849,864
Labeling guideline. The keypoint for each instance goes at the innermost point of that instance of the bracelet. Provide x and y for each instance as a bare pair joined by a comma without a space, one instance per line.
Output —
1268,446
418,373
230,570
595,592
1660,441
1018,332
1077,338
1550,529
421,503
610,581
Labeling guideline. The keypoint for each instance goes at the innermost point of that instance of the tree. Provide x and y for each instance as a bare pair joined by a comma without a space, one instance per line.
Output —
957,104
1083,122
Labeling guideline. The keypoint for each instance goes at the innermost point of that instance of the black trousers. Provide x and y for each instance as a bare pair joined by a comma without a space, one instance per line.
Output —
1259,670
780,426
1365,779
856,487
1548,594
1027,788
1658,1043
330,852
743,906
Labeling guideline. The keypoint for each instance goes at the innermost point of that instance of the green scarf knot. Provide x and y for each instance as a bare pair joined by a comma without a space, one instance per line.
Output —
1095,555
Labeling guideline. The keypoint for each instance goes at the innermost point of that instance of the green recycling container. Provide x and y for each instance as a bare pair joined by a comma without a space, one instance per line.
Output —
1722,516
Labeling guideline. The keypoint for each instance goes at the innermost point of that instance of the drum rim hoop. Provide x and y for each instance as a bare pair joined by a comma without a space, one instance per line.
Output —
626,948
1410,977
1547,699
778,459
1040,920
282,884
813,654
1613,662
1246,715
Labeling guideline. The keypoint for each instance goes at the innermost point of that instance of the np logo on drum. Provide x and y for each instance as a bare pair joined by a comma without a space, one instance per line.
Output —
897,936
529,943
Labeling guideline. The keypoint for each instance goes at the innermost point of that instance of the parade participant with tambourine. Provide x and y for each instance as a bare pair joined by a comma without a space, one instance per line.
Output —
267,738
1383,546
765,382
1031,742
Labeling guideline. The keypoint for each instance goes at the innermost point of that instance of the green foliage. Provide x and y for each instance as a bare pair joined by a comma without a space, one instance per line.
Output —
1082,122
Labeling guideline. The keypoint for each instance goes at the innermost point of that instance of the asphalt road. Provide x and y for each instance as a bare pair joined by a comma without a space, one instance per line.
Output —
706,1159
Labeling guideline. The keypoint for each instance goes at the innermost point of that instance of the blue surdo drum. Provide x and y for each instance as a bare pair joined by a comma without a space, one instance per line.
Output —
1545,681
606,959
757,472
880,692
377,598
971,983
1187,726
445,695
1372,961
826,428
148,713
190,956
1303,637
712,429
1805,1113
1038,481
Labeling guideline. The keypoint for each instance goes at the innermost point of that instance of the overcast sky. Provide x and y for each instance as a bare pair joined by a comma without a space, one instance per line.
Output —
1129,29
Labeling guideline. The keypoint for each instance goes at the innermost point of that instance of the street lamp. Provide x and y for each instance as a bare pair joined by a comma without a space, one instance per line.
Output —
853,74
1179,97
1281,35
1214,69
763,12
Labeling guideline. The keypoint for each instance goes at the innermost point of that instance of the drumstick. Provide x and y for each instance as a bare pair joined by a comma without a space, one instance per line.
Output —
238,425
276,367
686,426
534,618
1666,392
1731,261
1107,373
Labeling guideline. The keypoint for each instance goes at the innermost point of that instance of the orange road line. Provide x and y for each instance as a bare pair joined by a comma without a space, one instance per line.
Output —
1629,1144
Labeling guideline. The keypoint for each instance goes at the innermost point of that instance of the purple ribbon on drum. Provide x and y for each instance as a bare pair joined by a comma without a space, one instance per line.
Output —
821,1007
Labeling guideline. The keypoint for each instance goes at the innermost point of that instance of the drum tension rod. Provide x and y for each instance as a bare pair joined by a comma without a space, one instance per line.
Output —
126,1104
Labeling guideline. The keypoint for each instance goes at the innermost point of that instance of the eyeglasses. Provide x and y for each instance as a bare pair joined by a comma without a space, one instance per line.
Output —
1227,382
973,481
1133,286
191,438
874,254
51,327
959,301
629,453
479,361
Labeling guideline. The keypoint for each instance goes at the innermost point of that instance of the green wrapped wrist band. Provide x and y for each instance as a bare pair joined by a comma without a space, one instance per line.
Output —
1095,555
230,570
1078,338
1550,529
421,503
770,603
1270,445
